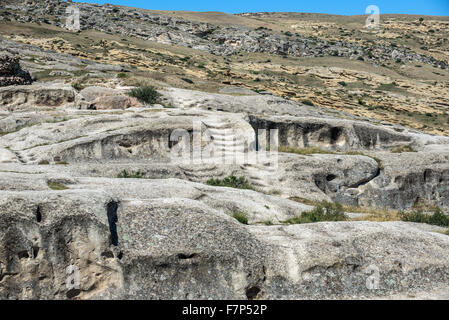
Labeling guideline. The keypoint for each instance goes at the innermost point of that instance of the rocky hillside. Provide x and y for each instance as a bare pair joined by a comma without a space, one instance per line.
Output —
354,205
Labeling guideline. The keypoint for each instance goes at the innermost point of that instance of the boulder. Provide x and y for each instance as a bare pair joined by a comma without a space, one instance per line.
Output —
100,98
11,73
36,95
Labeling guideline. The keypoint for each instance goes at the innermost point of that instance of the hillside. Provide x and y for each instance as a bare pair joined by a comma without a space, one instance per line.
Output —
203,155
398,74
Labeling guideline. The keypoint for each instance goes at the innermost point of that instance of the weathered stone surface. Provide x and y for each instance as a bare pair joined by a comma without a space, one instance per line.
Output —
25,97
337,260
148,244
215,38
101,98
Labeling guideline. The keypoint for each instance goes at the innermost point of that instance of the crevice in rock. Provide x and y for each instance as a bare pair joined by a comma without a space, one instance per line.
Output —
38,214
365,181
35,252
183,256
107,254
23,254
112,208
252,292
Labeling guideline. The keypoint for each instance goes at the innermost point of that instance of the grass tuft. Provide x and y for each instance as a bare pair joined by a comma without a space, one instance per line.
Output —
56,186
241,217
303,151
438,218
231,182
131,175
324,211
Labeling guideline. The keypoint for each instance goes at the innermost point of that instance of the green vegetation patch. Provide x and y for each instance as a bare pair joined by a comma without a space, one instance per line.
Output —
303,151
438,218
131,175
57,186
324,211
231,182
146,94
241,217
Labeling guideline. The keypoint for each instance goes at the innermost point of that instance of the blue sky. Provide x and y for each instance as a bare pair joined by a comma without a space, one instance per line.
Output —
343,7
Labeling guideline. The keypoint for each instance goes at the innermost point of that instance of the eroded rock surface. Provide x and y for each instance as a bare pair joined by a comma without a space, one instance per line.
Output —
171,239
92,181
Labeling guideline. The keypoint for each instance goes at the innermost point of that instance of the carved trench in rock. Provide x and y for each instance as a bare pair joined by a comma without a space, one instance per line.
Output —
112,208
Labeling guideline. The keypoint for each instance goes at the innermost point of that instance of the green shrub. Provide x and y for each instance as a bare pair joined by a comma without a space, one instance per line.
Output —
77,86
122,75
438,218
307,102
145,94
56,186
231,182
324,211
130,175
241,217
187,80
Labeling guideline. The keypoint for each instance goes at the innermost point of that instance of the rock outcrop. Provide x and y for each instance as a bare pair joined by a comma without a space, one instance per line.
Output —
11,73
212,38
151,239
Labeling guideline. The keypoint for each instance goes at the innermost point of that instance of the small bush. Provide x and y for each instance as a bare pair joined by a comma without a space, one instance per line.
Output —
77,86
122,75
187,80
307,102
130,175
324,211
438,218
231,182
145,94
56,186
241,217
